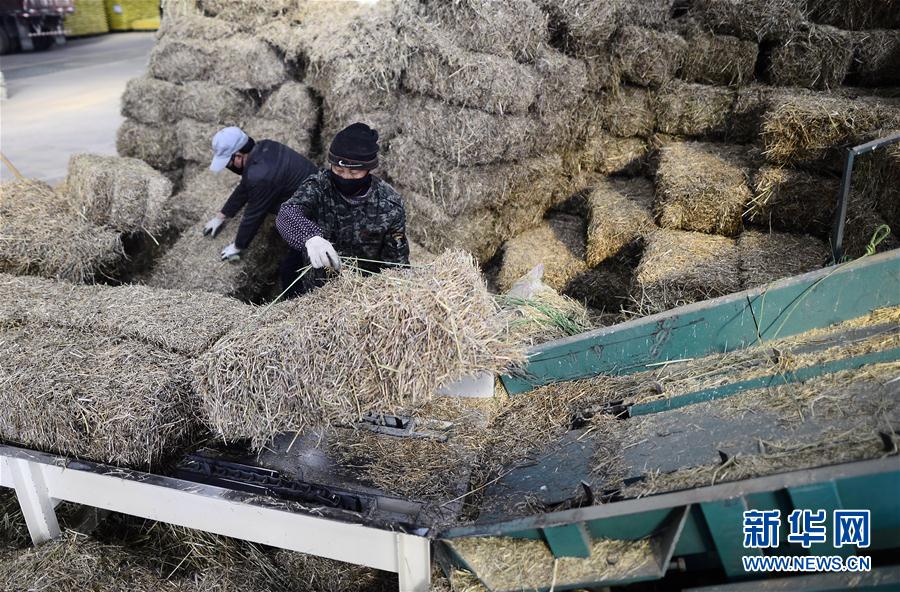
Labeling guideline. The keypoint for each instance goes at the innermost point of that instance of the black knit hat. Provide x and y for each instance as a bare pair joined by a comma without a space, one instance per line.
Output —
355,147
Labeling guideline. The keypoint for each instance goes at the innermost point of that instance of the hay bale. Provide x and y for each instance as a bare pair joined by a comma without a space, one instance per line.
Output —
860,230
508,28
814,129
125,194
563,81
42,237
156,145
134,410
619,213
206,101
369,351
178,321
193,263
202,195
702,187
354,52
150,101
793,200
647,57
750,19
693,109
284,131
746,115
433,228
718,59
477,80
557,244
627,111
195,139
89,18
587,26
602,71
818,57
768,256
681,267
467,136
252,64
385,121
292,102
855,15
887,185
876,59
457,189
608,155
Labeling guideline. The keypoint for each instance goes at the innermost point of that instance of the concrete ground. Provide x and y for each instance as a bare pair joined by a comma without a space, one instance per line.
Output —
66,100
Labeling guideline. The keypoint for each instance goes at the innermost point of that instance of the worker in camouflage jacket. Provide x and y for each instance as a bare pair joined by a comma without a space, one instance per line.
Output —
344,210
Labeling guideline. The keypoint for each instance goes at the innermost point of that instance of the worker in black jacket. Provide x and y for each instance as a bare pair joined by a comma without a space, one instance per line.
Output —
343,210
270,174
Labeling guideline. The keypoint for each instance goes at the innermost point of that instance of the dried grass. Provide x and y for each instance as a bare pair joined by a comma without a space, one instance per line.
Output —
855,15
283,130
156,145
746,115
308,572
477,80
109,399
606,287
538,313
647,57
693,109
385,121
125,194
718,59
252,64
608,155
41,237
293,103
563,81
619,213
681,267
181,322
504,563
818,57
557,243
195,139
508,28
150,101
206,101
202,195
876,59
193,263
627,111
766,257
814,129
750,19
588,26
793,200
467,136
381,342
702,187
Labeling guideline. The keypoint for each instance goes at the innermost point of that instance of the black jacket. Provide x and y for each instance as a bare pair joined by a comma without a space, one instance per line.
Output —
271,176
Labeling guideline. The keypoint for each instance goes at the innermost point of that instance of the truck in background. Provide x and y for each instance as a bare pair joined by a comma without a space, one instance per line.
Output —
33,24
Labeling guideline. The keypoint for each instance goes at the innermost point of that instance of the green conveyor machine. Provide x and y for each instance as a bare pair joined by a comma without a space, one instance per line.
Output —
712,459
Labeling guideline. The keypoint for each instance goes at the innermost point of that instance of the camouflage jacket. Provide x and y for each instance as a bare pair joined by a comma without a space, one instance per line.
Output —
372,226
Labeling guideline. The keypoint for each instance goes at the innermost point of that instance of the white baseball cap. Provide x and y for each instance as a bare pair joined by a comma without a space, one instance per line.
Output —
225,143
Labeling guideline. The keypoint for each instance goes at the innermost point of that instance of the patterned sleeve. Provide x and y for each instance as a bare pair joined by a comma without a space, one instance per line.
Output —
294,220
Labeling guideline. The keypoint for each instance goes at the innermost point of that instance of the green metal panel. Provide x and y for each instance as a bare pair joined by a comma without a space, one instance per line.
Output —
799,375
629,527
695,537
820,496
781,309
879,494
725,520
570,540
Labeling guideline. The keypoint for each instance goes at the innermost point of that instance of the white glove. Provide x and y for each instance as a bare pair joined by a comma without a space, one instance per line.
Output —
322,254
213,227
231,253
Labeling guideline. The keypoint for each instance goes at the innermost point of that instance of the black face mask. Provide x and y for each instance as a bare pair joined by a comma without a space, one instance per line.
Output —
234,169
351,187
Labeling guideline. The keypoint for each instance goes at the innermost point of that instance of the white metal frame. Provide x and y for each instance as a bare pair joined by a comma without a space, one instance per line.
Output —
41,481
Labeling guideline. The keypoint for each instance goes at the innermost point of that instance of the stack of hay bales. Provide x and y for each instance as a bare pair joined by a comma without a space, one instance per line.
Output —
122,14
89,18
492,113
103,372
